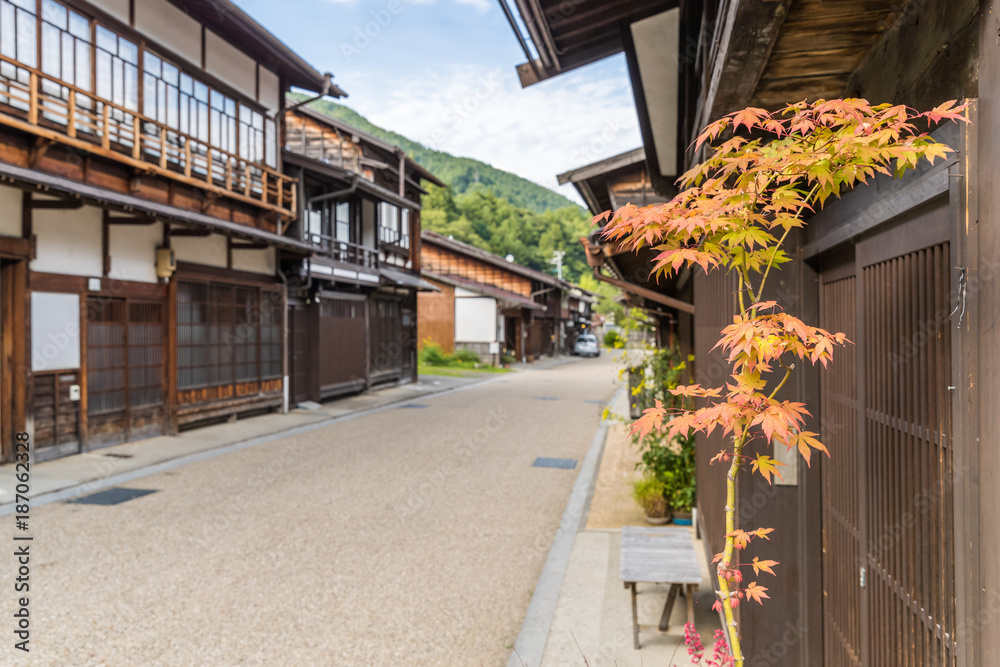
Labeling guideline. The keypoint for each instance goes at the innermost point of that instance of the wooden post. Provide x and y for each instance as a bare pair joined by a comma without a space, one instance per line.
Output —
71,113
280,187
187,156
106,127
208,164
33,98
136,137
163,147
229,173
263,186
246,179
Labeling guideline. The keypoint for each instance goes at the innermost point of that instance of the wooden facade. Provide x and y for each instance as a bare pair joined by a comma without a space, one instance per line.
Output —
124,136
527,315
887,548
353,321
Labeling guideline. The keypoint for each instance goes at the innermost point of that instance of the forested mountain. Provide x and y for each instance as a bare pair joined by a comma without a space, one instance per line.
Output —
490,208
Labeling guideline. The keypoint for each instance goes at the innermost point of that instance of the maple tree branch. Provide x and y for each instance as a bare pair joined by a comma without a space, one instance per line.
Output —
788,372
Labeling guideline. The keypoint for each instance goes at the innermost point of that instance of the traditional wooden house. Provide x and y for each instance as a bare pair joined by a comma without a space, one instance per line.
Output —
352,303
488,304
143,208
607,185
887,549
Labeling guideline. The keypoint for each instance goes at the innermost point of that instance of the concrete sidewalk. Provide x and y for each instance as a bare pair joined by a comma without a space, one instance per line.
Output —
79,474
592,622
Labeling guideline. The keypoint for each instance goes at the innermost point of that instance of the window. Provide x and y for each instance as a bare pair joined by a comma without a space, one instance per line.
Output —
18,35
329,221
65,48
394,224
227,334
77,51
117,70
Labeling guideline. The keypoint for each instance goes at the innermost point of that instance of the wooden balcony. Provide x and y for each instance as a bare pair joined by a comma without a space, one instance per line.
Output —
345,252
55,111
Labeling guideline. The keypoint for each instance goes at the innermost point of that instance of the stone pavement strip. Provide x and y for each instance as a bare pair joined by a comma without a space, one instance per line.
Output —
592,622
91,471
404,536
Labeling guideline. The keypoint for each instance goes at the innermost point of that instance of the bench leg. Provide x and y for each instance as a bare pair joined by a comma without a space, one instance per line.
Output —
669,606
690,602
635,618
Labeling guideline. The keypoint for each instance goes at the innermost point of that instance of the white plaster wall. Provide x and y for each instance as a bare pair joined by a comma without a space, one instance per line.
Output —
656,49
230,65
117,8
256,261
69,241
55,331
171,27
10,211
461,291
207,250
133,251
270,90
475,320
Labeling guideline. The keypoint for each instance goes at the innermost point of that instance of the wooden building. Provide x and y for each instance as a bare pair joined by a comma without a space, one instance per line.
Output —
607,185
888,548
487,304
144,205
352,303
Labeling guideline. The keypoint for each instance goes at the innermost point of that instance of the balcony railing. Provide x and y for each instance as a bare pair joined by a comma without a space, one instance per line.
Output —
84,121
346,252
393,237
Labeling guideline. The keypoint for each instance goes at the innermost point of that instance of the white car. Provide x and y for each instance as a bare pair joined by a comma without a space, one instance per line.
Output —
586,346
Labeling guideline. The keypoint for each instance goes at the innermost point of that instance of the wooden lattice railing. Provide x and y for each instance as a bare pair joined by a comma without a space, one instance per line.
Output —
52,109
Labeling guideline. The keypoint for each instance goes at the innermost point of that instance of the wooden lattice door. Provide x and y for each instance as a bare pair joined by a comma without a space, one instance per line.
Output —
125,370
888,566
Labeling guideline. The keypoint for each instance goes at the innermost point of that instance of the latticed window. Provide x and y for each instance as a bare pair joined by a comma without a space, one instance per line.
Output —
227,334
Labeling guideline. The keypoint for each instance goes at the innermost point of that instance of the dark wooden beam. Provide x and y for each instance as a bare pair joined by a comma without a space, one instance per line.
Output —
249,245
131,219
59,204
38,150
190,232
746,36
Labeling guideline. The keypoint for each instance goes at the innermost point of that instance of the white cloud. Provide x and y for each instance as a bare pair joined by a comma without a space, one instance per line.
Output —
482,112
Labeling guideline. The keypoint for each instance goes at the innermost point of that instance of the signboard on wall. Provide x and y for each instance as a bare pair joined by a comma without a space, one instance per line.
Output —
55,331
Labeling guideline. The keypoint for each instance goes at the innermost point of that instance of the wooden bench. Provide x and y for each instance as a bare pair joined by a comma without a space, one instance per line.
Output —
659,556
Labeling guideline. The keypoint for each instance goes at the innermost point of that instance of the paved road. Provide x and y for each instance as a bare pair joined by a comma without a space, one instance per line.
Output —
412,536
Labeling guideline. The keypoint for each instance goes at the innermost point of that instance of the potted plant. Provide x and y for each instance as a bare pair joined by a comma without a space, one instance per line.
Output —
651,494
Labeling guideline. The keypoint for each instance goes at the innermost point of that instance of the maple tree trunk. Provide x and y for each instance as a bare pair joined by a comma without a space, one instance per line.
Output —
732,629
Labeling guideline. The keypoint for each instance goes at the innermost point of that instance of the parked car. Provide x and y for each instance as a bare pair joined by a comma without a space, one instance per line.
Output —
586,346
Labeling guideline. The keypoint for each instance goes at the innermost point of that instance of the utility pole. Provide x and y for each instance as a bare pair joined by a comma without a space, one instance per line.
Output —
557,259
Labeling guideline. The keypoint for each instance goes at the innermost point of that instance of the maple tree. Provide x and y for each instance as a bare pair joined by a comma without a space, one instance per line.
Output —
769,171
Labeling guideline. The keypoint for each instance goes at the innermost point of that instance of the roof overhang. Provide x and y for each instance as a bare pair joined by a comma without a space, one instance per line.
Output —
346,176
559,37
103,197
404,279
614,182
505,298
434,238
321,117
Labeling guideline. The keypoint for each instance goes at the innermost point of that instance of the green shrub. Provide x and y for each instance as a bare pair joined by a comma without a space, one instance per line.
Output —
431,354
651,494
466,356
612,339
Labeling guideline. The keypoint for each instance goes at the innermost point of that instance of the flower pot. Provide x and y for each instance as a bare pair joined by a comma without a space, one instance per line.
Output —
682,518
657,520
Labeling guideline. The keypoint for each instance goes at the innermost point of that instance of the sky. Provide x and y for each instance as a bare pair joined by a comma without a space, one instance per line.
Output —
441,72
